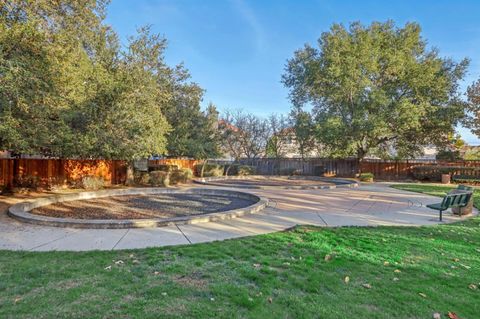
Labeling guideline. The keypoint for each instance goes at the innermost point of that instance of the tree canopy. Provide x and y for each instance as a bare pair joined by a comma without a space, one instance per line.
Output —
376,87
68,88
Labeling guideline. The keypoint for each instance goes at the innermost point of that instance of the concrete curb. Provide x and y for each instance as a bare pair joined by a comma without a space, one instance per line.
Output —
339,182
20,211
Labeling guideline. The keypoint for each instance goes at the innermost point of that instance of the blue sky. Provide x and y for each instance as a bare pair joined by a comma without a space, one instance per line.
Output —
237,49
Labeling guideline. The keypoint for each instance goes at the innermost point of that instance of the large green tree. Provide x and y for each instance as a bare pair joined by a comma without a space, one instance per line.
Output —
123,118
376,86
45,59
472,120
68,88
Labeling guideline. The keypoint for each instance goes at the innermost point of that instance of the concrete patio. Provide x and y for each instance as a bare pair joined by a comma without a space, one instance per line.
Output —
368,205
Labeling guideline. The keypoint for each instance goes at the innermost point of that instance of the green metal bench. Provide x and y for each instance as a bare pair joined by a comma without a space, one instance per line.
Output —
452,200
465,188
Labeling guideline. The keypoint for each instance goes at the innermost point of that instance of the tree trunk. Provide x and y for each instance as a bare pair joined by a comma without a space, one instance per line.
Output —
203,167
360,155
228,169
130,180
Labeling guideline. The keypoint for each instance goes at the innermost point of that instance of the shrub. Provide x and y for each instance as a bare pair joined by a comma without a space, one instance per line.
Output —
3,189
434,172
91,182
211,170
291,171
180,176
188,174
56,183
319,170
163,168
466,179
366,177
240,170
27,181
447,155
245,170
160,178
141,178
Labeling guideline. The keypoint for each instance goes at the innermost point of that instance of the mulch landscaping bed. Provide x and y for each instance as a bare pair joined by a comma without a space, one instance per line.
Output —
142,206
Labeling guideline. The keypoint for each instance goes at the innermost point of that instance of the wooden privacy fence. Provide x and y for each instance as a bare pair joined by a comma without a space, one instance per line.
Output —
180,162
311,166
49,172
392,170
382,169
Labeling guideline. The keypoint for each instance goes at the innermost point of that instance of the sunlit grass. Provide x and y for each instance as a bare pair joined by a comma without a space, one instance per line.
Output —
280,275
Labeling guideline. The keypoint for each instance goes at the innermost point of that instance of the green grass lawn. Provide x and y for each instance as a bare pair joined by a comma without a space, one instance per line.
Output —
412,272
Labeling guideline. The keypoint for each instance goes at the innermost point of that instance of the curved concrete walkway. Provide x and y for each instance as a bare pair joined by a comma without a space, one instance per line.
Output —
368,205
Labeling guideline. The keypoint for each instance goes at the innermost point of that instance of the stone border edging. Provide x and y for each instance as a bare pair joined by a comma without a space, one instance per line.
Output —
340,183
20,211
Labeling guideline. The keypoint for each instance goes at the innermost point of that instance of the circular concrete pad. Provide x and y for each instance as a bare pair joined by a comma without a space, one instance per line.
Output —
204,205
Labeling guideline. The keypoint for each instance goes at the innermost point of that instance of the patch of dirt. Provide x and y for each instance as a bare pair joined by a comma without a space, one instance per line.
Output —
142,206
191,281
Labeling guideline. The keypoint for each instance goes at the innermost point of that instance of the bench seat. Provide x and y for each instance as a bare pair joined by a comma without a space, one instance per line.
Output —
459,199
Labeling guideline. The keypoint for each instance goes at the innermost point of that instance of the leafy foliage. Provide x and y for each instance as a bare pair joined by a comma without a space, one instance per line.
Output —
69,89
472,120
434,172
472,154
376,86
280,133
209,170
366,177
304,132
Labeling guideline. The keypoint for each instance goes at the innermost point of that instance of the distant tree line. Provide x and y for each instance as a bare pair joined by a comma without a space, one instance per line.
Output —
69,88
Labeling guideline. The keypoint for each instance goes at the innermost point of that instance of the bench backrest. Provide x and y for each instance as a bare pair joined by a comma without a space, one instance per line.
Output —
465,188
456,200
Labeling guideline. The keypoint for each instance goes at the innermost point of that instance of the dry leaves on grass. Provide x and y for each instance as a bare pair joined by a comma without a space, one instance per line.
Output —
256,266
367,286
473,286
453,315
328,257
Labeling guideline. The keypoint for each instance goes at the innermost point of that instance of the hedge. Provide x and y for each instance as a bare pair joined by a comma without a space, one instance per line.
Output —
211,170
434,172
240,170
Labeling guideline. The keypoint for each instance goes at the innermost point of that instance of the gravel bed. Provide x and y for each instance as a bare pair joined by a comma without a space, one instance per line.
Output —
142,206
